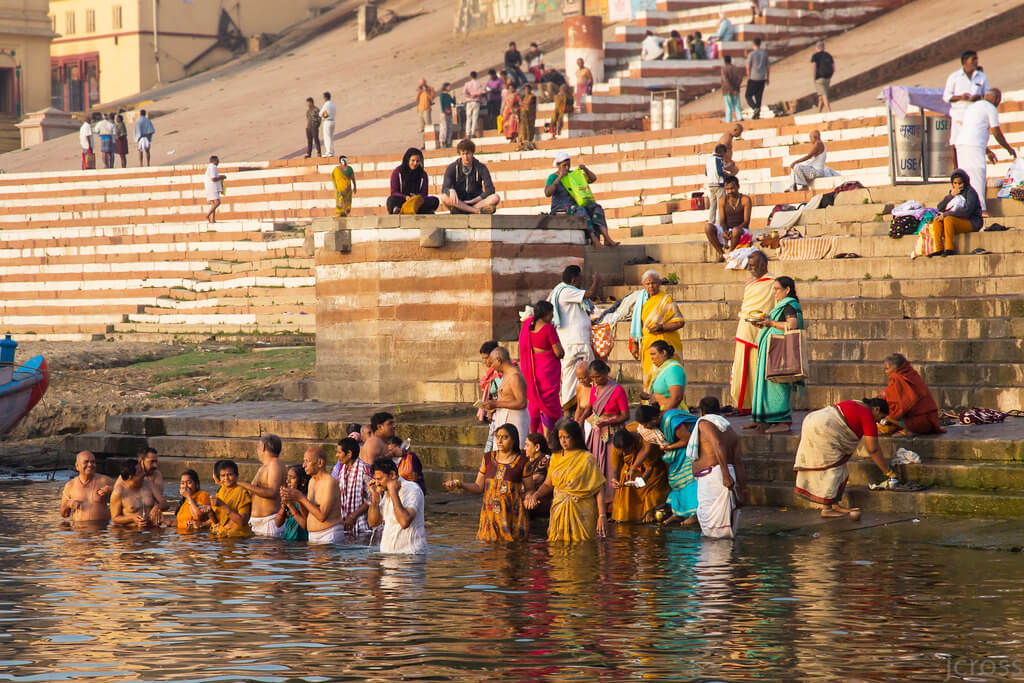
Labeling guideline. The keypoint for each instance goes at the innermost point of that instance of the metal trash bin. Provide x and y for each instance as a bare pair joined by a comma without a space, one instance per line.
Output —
939,159
909,157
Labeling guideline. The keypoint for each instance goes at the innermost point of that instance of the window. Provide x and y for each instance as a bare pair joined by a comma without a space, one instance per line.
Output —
53,23
74,82
118,22
90,21
69,23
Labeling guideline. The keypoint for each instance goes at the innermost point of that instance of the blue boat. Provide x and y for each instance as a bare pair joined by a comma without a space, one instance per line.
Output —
21,386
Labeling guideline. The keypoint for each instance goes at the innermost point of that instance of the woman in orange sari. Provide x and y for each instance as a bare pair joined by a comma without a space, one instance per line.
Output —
655,316
577,487
641,483
501,481
194,510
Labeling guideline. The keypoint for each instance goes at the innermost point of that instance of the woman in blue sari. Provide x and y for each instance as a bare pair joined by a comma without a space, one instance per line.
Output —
682,498
771,406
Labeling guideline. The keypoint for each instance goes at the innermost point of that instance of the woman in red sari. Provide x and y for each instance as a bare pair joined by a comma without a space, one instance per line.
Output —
607,412
540,356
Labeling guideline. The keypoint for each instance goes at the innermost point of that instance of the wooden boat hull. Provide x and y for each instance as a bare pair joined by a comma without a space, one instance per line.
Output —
22,390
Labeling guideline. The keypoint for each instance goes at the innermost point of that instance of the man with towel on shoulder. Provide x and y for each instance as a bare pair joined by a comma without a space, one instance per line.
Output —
714,449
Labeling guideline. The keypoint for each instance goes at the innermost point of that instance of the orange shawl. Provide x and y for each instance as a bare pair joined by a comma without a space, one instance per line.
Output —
908,395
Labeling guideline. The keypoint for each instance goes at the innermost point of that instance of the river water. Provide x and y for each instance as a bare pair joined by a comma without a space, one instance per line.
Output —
113,605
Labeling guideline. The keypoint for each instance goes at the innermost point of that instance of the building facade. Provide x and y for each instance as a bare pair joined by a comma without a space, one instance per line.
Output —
109,49
24,55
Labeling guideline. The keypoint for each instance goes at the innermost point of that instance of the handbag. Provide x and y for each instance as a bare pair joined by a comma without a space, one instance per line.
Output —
89,161
602,339
575,182
787,358
698,202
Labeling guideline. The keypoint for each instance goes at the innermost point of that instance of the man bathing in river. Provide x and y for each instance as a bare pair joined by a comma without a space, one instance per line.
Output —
133,503
151,466
510,405
322,502
86,497
265,488
382,428
714,449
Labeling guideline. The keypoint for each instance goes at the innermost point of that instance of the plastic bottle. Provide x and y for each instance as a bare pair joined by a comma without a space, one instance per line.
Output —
7,347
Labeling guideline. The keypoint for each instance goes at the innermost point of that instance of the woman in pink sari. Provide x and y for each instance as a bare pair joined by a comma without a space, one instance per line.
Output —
540,361
607,413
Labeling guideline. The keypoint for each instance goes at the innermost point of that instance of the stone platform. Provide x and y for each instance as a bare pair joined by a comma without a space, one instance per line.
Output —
971,471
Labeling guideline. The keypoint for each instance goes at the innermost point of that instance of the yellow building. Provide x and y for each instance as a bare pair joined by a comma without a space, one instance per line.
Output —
110,49
24,59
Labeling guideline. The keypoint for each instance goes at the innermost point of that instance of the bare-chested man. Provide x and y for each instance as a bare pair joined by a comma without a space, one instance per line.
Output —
86,498
151,464
510,405
728,165
382,428
721,479
133,503
582,396
322,502
266,487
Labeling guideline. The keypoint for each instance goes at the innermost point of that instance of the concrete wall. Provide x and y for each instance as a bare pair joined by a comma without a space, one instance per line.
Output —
392,313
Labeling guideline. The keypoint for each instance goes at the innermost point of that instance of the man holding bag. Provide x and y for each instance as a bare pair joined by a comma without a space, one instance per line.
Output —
570,193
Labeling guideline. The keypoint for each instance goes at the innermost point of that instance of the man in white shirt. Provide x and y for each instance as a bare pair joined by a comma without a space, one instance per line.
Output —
213,183
965,85
397,504
473,93
327,113
85,140
572,321
650,47
972,140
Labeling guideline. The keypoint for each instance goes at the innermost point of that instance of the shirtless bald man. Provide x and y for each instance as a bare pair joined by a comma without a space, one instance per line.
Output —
266,487
133,503
86,497
322,502
510,405
735,132
382,428
718,469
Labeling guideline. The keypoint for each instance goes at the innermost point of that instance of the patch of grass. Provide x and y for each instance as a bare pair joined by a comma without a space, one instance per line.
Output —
867,276
672,278
237,361
176,392
813,279
887,276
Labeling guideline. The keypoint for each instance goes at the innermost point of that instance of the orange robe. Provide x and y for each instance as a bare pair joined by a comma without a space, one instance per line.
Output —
184,514
910,401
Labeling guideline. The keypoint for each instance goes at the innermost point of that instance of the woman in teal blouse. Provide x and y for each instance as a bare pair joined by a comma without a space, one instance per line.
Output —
669,382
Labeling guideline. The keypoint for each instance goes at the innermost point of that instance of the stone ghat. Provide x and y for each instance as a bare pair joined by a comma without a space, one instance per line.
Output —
86,254
971,471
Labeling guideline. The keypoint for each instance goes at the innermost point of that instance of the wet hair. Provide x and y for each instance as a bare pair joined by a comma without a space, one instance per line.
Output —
787,282
488,346
967,55
378,419
193,476
664,347
300,476
349,445
513,433
540,442
962,175
624,440
271,442
709,405
146,451
129,469
879,403
384,465
542,309
599,366
730,180
574,431
645,414
896,360
571,273
466,145
225,465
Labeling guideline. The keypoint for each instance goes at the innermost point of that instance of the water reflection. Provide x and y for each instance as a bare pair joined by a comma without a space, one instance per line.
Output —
112,605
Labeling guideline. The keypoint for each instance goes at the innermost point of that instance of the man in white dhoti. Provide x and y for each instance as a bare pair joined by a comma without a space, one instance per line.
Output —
714,449
811,165
510,405
981,118
572,321
965,85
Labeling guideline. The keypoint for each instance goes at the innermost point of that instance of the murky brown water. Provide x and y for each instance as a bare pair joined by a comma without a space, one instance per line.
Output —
157,606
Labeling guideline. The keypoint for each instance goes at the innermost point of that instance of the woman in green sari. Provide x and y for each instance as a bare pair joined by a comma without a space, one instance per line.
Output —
682,498
771,407
669,382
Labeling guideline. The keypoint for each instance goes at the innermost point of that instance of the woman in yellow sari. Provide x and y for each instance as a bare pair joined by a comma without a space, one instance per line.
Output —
578,511
655,316
344,179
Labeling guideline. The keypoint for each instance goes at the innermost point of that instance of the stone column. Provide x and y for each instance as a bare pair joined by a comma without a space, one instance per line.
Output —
405,299
583,39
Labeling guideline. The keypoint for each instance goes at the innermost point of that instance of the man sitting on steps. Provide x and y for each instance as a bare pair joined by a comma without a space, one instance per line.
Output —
733,227
467,186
